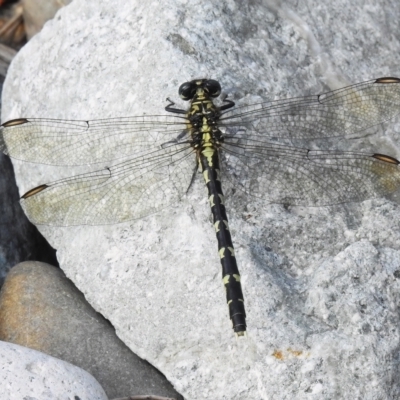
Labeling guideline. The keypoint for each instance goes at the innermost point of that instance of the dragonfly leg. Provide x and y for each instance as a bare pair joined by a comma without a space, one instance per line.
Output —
170,108
229,104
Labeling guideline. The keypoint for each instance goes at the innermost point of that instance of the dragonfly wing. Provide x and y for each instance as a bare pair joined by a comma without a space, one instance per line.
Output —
288,175
126,191
340,113
63,142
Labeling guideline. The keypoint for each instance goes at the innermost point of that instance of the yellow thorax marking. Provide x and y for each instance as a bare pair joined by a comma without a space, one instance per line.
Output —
208,150
194,109
202,106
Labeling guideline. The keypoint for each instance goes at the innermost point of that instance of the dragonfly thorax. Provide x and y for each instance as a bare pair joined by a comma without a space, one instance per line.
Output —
211,138
203,118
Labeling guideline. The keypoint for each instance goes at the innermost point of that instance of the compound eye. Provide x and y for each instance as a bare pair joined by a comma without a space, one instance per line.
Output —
187,90
212,87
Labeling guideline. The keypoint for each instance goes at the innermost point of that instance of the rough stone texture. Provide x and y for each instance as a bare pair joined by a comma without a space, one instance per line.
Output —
41,309
29,374
321,284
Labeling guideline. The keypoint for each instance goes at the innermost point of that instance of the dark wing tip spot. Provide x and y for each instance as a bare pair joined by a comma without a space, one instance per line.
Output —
385,158
14,122
34,191
388,79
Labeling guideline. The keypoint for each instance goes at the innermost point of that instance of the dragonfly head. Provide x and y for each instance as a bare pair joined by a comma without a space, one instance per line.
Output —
199,88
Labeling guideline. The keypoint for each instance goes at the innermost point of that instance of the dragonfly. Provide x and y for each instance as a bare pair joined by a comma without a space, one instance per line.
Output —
262,149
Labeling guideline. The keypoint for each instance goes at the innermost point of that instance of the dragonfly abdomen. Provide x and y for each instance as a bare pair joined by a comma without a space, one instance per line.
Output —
209,162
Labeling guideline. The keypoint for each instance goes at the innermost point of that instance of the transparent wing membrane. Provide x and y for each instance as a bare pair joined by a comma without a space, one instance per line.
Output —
126,191
340,113
156,159
62,142
280,174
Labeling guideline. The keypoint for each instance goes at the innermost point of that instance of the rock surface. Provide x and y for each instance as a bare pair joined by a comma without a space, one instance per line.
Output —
41,309
29,374
321,284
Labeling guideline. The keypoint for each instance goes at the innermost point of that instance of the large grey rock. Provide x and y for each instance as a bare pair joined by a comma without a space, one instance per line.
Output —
321,284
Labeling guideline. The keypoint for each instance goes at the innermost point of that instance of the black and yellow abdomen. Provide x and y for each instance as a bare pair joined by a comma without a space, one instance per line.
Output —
230,272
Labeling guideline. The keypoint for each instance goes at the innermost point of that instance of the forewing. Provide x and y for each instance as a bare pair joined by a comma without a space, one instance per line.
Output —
63,142
339,113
